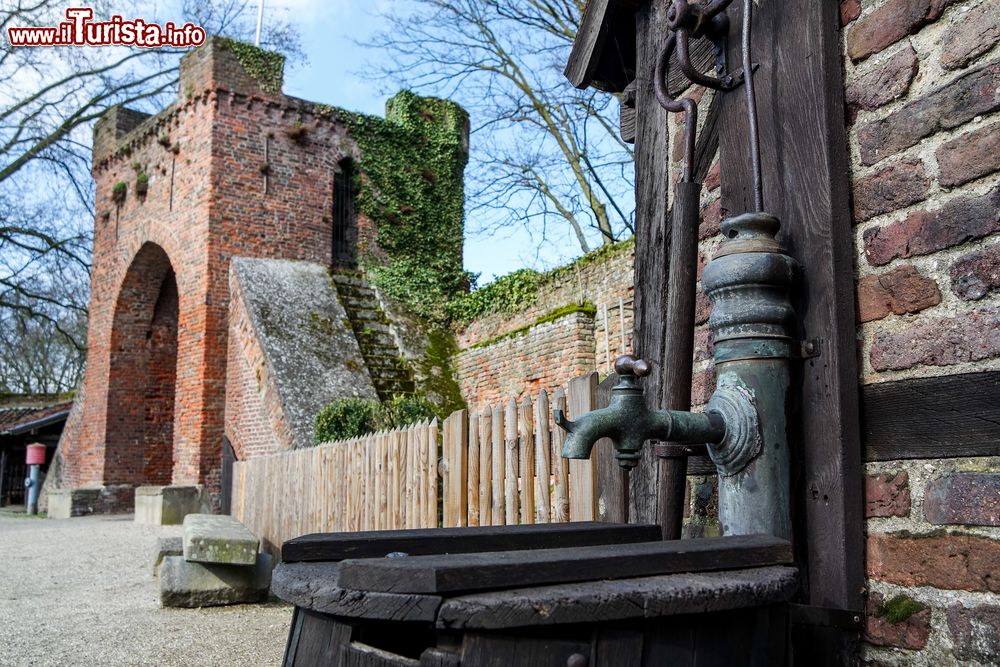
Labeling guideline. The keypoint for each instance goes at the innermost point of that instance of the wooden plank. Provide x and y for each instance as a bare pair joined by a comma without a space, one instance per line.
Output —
526,454
582,475
619,647
589,42
622,599
431,512
375,544
356,654
485,467
435,657
315,640
492,650
472,471
929,418
498,469
511,463
437,574
612,480
804,154
560,466
543,450
315,587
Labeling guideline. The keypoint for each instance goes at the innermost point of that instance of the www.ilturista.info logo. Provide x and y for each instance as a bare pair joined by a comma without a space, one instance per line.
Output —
81,30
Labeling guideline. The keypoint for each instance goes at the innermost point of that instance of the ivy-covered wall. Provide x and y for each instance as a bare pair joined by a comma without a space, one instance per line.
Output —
411,187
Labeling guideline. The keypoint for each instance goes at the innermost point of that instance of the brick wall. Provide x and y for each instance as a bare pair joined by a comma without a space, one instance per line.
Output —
546,356
923,91
249,390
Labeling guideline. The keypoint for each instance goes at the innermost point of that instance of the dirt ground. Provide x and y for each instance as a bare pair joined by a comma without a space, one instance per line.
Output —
81,592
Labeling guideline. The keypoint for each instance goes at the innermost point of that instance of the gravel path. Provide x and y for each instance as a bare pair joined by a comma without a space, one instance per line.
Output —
80,592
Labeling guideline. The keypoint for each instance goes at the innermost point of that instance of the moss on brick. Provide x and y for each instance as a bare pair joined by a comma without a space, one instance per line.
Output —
900,608
519,290
586,308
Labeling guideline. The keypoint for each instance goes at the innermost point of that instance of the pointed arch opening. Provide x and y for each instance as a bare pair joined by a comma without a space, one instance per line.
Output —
139,447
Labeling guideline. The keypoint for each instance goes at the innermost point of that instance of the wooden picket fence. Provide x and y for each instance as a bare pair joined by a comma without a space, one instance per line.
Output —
499,465
381,481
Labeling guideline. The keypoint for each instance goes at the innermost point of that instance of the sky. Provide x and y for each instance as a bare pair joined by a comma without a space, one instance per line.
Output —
330,30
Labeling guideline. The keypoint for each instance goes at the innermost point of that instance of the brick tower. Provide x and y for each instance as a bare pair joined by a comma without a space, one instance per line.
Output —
233,168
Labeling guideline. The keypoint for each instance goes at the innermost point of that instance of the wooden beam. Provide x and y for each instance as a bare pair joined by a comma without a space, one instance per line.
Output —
800,103
589,43
929,418
652,179
513,569
375,544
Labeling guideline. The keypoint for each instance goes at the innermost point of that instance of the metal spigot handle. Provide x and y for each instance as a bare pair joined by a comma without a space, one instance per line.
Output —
627,364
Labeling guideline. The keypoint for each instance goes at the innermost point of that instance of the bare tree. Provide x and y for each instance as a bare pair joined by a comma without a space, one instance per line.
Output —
50,99
543,153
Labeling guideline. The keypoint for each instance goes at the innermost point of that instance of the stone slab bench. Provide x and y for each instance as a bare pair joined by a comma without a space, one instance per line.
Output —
166,546
188,584
213,538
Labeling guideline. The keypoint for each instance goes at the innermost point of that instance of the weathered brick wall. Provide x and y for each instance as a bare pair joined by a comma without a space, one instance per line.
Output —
544,357
547,355
249,390
923,91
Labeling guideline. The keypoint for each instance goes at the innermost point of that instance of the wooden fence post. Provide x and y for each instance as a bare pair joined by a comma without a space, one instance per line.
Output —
526,452
499,462
485,467
472,470
511,463
582,475
455,471
543,446
560,466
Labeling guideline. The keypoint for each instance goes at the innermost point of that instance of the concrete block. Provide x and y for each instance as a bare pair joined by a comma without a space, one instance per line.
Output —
67,503
187,584
166,505
214,538
166,546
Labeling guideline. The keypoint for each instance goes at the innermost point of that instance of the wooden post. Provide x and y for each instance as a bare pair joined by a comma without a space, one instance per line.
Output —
455,470
499,463
582,474
560,466
543,450
486,467
654,479
803,143
431,513
511,463
526,452
472,473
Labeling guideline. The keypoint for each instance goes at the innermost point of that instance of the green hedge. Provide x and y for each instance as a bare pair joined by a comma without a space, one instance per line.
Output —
348,418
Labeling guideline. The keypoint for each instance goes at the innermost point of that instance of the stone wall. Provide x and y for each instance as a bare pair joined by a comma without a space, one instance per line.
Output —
558,337
923,92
